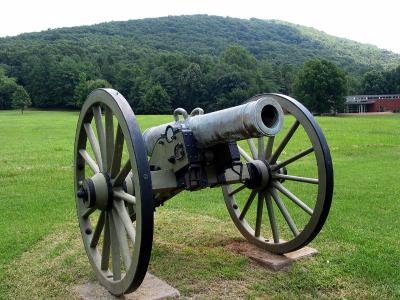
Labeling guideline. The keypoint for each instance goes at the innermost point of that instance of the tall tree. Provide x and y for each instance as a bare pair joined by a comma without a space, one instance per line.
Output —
20,99
192,88
97,84
321,86
393,81
284,78
374,82
81,90
7,87
132,81
157,101
85,87
237,55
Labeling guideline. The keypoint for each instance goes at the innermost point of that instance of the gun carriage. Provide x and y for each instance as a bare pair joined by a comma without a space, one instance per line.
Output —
122,175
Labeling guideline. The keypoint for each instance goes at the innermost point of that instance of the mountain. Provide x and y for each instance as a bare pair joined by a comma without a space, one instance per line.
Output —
190,60
278,42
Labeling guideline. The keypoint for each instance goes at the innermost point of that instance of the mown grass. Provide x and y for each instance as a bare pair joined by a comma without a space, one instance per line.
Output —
41,255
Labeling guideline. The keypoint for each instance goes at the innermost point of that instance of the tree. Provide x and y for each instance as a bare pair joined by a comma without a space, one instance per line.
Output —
268,75
284,78
393,81
97,84
157,101
237,55
64,76
374,82
7,88
12,95
192,89
381,82
81,91
20,99
85,87
321,86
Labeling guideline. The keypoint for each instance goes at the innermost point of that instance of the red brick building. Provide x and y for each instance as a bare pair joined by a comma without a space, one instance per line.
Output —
372,103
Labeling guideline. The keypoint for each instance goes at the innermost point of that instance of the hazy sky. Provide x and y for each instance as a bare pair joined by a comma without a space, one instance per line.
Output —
374,22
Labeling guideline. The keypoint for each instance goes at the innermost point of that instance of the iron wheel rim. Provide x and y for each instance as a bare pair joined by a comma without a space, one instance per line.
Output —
119,107
325,185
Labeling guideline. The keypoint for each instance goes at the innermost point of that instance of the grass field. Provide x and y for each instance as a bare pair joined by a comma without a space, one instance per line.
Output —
41,253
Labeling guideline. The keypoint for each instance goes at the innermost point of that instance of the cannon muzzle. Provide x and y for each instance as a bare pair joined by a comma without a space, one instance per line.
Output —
263,117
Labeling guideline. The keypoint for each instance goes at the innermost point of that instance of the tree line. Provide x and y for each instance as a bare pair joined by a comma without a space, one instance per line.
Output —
157,83
188,61
12,95
381,82
152,82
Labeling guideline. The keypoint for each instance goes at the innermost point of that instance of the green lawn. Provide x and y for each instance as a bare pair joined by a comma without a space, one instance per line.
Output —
41,255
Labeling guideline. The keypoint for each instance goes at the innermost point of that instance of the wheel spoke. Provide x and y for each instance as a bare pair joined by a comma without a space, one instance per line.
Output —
119,179
94,143
115,251
261,153
105,255
101,135
271,216
244,154
109,123
284,142
123,242
87,212
117,155
292,197
292,159
252,148
247,205
125,196
125,219
98,230
90,161
295,178
260,205
237,190
270,145
285,213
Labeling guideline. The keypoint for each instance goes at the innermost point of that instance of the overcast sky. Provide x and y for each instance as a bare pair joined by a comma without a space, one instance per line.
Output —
374,22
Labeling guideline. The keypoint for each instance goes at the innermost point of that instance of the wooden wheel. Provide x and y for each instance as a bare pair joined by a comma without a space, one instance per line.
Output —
114,198
296,188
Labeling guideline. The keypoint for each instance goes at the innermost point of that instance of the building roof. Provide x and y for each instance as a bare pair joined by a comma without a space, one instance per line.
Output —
356,99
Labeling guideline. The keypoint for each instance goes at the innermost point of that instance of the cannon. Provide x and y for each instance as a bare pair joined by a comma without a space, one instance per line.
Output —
268,156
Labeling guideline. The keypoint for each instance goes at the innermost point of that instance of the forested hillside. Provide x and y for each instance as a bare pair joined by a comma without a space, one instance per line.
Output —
176,61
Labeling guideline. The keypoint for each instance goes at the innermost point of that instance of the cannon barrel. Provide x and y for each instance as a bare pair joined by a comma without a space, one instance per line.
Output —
263,117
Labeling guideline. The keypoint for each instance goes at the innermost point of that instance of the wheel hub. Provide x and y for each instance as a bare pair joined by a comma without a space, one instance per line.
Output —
96,192
260,175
